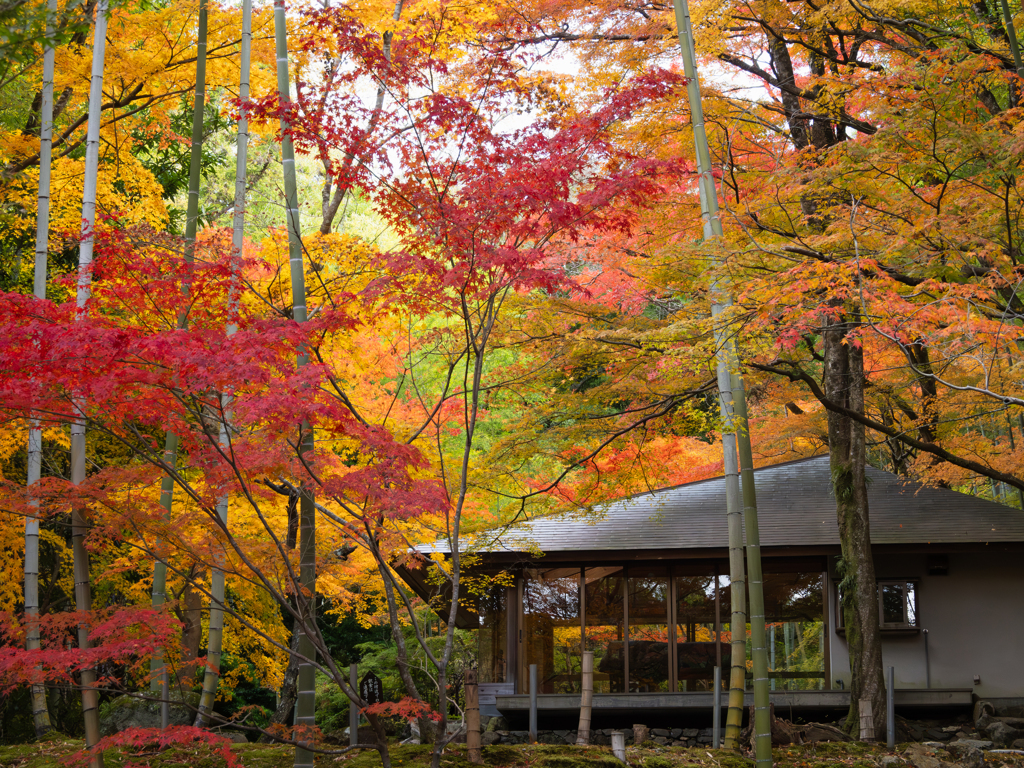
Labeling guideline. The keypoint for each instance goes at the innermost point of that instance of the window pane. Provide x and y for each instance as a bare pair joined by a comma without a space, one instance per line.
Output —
492,635
648,629
793,618
551,638
911,604
892,604
696,653
605,627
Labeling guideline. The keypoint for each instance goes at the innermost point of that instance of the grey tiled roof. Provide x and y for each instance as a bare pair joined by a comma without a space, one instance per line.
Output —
795,508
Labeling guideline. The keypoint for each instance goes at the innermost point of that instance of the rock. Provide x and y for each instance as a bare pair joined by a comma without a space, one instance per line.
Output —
640,733
1016,711
969,752
236,737
933,745
921,756
497,724
983,721
1018,744
935,734
815,732
888,760
691,733
487,738
659,732
675,733
134,712
982,707
1002,733
663,740
965,743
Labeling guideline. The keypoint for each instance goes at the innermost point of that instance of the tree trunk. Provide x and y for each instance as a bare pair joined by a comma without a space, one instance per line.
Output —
305,595
79,521
286,705
156,667
40,712
844,383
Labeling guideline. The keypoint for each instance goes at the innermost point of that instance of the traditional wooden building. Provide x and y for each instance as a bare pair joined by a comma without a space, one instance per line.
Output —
644,584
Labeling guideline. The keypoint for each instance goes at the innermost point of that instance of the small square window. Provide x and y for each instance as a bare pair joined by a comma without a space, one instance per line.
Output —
897,605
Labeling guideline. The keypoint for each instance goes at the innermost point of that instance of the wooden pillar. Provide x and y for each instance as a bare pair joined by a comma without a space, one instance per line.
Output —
473,718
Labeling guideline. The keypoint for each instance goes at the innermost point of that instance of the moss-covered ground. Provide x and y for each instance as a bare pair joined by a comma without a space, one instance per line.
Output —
56,751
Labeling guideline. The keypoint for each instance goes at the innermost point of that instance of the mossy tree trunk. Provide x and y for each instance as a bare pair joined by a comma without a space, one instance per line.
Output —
844,384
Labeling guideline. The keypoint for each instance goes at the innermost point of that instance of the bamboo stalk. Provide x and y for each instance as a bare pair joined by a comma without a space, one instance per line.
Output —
79,520
306,595
40,713
726,362
170,455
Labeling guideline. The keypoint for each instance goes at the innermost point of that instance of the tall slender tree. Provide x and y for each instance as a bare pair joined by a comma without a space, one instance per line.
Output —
157,665
40,713
734,414
216,625
306,593
80,522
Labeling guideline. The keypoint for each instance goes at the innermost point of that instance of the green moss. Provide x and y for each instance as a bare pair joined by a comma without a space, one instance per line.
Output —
656,761
502,754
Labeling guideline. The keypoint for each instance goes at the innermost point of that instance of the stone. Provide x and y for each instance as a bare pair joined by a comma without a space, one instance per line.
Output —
679,743
640,733
984,720
922,756
497,724
675,733
815,732
236,737
691,733
936,734
969,752
982,707
888,760
660,731
966,743
1018,744
135,712
1002,733
663,740
487,738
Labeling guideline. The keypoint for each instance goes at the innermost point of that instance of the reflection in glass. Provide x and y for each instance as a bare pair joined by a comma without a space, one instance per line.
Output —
892,604
793,615
551,617
648,629
605,629
491,636
696,651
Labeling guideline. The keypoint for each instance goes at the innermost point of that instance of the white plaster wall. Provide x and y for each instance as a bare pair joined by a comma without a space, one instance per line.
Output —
975,622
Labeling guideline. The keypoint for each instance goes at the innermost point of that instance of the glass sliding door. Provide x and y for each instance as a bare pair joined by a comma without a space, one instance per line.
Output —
605,626
552,629
648,629
492,637
793,614
697,638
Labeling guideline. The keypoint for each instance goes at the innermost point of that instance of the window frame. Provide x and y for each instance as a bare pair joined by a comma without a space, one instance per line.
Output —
887,627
